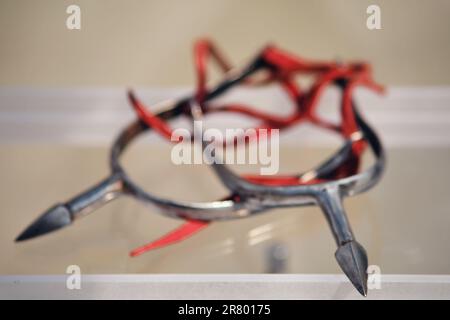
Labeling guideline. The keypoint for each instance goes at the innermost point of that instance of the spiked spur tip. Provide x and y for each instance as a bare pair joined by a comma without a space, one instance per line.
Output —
53,219
352,259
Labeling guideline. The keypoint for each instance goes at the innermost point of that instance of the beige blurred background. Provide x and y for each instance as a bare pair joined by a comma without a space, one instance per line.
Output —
403,222
149,42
